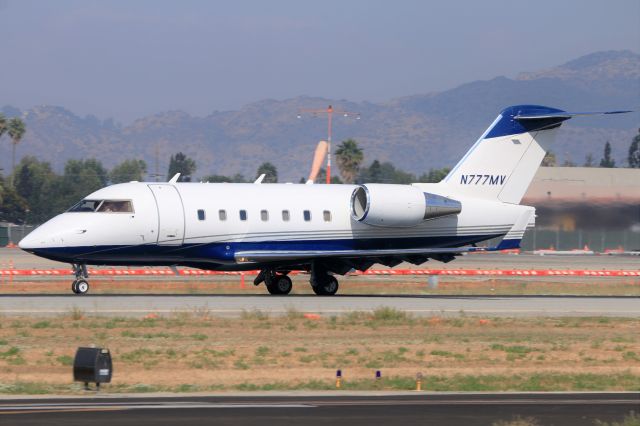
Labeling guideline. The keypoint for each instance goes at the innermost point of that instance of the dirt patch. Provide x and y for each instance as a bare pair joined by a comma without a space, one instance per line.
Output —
207,352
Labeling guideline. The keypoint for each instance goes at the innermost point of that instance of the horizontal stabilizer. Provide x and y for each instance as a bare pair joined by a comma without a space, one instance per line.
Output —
562,114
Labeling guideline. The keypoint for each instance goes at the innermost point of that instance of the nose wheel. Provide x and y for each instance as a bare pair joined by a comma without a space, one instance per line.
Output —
80,285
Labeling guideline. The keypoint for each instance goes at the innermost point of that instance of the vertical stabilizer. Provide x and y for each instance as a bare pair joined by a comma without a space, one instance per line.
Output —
502,163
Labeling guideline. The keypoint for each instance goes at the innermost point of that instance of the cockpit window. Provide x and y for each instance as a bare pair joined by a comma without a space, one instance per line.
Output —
103,206
111,206
86,206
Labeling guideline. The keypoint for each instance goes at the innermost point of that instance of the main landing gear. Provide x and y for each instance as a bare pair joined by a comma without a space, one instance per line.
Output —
80,285
279,284
322,283
325,286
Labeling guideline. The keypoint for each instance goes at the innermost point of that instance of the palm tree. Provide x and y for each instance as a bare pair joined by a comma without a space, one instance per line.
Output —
349,157
15,129
3,124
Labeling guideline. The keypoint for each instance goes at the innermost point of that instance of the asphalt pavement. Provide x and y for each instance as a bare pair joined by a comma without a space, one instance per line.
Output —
233,306
466,409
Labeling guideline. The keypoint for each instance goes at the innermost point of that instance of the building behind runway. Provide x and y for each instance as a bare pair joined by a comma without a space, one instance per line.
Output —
578,206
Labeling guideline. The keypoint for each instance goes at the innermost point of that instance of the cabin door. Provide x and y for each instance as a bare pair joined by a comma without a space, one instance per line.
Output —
170,214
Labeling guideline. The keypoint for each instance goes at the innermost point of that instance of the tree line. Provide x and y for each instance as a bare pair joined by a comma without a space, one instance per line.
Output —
633,157
33,192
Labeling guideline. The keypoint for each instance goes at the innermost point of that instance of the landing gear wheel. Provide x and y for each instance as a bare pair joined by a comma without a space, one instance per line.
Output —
80,286
280,284
328,288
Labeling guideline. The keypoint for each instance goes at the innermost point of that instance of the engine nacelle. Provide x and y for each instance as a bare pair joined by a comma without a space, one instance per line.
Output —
398,205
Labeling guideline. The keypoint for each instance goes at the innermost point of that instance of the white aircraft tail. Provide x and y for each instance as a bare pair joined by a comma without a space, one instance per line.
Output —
502,163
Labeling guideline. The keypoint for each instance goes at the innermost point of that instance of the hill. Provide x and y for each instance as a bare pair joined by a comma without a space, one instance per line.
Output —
416,132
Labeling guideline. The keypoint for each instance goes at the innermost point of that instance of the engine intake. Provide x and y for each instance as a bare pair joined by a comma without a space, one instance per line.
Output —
399,205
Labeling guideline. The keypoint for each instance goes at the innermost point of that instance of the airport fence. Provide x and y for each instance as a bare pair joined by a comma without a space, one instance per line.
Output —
10,233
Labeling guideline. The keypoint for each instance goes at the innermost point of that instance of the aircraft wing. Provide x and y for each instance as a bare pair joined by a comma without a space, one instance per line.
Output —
287,255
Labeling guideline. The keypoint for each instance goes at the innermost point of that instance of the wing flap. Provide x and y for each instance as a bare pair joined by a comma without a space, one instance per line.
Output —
286,255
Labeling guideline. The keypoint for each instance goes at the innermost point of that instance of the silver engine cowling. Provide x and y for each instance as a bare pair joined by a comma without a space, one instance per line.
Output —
399,205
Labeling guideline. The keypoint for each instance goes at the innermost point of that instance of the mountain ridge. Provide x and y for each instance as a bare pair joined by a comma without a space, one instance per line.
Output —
415,132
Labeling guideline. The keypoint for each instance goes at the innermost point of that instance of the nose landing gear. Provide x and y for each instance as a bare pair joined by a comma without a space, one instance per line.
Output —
80,285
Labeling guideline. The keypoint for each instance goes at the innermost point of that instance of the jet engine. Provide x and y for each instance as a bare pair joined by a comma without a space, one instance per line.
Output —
398,205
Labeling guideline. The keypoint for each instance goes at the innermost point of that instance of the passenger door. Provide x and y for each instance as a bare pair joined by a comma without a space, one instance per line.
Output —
170,214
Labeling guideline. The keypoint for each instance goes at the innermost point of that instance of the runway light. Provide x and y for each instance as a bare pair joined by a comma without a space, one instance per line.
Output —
378,375
338,379
419,382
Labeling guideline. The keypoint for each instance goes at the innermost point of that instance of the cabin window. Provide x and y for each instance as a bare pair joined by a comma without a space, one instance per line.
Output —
307,215
285,215
222,215
243,215
264,215
201,215
326,215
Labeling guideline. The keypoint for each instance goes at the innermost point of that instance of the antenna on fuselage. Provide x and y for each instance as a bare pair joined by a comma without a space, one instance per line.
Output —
175,178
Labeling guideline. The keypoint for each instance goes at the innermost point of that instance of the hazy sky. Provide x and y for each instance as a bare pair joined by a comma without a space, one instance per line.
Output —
126,59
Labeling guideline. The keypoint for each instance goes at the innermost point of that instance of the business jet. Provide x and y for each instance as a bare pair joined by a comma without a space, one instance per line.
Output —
326,230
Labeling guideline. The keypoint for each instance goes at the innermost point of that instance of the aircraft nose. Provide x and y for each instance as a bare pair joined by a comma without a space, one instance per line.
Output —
28,242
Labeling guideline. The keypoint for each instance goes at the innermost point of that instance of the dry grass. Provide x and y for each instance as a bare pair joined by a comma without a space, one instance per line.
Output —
188,352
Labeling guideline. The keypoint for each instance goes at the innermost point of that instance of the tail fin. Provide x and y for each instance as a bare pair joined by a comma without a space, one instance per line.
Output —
502,163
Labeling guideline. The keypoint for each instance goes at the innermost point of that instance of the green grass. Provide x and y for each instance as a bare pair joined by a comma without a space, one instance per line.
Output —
390,315
199,336
41,324
631,419
517,421
137,355
11,352
446,354
514,349
465,383
254,315
65,360
262,351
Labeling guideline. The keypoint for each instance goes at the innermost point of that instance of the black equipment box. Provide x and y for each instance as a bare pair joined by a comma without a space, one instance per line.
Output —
92,365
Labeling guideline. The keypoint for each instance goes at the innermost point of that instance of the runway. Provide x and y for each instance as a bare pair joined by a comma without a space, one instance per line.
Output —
467,409
233,306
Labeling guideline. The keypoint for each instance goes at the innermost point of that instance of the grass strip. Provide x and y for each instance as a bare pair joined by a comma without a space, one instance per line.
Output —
546,382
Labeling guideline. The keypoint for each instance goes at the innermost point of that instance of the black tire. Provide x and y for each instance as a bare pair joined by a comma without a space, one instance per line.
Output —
74,287
82,286
328,288
280,284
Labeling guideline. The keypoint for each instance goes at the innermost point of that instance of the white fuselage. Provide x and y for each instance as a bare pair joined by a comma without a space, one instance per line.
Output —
204,224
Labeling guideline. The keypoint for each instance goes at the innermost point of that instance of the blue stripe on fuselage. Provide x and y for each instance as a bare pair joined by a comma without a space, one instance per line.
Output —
220,253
